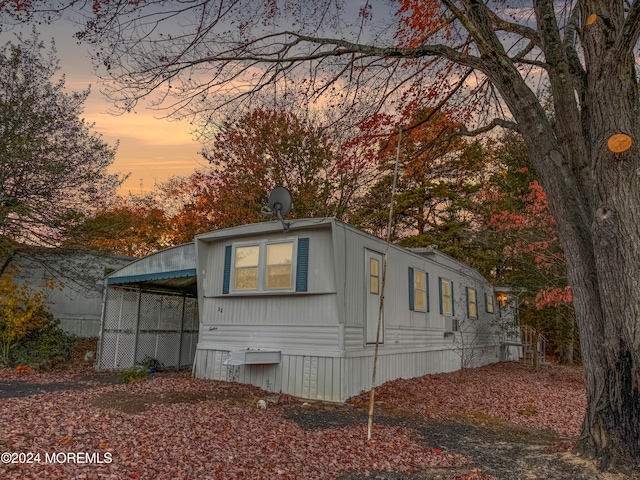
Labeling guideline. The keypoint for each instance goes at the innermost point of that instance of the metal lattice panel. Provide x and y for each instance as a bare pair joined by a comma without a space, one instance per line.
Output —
190,328
119,329
139,324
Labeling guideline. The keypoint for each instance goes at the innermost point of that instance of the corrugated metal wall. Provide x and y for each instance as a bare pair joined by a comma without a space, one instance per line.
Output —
180,257
304,376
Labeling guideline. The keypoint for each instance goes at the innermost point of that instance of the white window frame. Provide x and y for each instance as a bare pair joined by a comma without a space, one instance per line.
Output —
261,287
417,271
489,296
475,302
442,296
377,276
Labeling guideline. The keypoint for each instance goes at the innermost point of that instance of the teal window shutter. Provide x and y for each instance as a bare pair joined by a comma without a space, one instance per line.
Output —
426,274
440,293
453,303
411,285
302,265
226,279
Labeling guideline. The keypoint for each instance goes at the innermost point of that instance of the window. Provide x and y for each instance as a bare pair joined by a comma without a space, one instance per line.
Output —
279,265
489,302
418,290
472,305
245,275
374,276
446,297
264,266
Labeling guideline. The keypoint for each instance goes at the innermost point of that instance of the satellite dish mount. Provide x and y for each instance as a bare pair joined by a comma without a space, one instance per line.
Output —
280,204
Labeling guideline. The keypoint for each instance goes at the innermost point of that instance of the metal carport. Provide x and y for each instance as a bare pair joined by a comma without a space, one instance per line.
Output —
150,309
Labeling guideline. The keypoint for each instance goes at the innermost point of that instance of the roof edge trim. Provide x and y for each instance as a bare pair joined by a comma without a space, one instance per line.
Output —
190,272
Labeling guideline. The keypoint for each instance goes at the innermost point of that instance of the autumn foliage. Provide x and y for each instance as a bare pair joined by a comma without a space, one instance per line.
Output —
22,311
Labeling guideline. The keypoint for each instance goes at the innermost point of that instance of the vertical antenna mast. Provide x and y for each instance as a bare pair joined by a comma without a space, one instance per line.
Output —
384,276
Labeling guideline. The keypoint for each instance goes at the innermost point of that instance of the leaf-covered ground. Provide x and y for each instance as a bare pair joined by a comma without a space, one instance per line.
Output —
172,426
552,398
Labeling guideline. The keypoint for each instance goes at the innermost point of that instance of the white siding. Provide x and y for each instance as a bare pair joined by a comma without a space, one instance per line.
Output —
324,378
294,309
321,333
414,337
353,337
358,370
330,378
288,338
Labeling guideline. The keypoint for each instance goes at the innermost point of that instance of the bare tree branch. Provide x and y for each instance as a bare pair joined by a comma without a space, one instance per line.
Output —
496,122
511,27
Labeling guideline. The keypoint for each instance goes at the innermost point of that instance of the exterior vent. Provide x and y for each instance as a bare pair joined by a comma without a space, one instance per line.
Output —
253,357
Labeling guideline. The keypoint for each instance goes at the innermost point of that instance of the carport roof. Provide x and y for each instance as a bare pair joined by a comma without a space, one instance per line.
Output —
172,269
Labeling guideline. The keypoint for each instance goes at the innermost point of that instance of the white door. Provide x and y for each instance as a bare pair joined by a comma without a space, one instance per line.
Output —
373,289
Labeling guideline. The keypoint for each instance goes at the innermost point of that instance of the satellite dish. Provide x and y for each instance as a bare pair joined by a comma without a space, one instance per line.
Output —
279,203
280,200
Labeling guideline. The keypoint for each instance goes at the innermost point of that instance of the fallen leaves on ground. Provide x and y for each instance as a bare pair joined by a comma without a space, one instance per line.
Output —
224,435
205,439
551,398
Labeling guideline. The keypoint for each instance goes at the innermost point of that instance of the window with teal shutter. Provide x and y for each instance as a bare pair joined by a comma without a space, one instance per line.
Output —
488,301
472,303
453,298
418,290
445,288
262,266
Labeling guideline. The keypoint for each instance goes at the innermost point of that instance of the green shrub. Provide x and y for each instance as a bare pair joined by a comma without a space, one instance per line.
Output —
151,364
22,311
133,374
46,348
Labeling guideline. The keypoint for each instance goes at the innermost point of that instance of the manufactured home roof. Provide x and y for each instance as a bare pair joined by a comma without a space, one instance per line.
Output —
265,227
296,224
171,269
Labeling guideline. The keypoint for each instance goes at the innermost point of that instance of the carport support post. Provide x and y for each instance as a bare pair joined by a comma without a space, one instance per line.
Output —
184,301
103,311
137,333
119,331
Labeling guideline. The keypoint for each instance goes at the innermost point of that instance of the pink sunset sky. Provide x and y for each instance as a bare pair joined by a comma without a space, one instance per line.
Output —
151,149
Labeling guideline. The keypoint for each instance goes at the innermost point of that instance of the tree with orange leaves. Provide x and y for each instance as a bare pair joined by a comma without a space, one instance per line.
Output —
251,155
490,62
518,244
436,177
132,226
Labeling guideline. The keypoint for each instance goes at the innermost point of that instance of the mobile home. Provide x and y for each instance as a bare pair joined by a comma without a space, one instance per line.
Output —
298,311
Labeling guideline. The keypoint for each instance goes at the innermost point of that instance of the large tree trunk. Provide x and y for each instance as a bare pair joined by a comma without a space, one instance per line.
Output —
611,346
594,196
